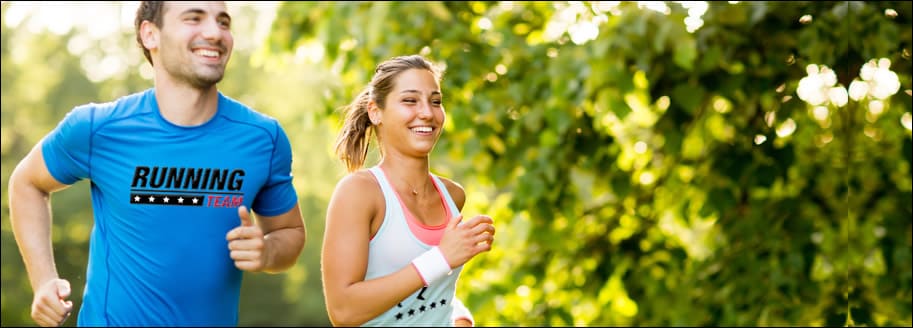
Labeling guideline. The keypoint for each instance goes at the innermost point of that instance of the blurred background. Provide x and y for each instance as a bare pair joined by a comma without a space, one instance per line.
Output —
646,163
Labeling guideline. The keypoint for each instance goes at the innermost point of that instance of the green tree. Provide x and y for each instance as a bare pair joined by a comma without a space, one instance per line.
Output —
643,174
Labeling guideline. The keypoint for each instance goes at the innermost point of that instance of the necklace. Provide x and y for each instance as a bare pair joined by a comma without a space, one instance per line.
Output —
414,190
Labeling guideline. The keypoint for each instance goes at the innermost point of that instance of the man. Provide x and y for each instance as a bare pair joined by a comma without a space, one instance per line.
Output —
173,170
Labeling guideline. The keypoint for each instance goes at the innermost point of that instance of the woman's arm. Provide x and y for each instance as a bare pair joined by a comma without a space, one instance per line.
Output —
352,301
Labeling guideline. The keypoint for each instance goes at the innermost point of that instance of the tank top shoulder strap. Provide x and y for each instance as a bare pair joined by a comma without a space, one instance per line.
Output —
454,211
385,186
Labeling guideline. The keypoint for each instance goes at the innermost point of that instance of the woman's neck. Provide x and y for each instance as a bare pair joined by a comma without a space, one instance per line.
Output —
408,175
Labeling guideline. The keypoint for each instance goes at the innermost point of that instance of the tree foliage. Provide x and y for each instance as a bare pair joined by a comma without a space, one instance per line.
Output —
652,175
638,173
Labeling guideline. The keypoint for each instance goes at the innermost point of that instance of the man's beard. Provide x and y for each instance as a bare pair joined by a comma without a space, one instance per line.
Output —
186,71
196,79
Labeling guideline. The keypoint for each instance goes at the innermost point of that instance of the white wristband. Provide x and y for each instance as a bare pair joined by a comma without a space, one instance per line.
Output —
431,265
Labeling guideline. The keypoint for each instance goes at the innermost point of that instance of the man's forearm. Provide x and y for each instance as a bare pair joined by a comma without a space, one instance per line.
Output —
30,218
283,247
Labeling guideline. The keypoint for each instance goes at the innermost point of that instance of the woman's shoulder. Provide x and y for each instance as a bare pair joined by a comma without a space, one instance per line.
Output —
357,191
449,183
455,189
361,180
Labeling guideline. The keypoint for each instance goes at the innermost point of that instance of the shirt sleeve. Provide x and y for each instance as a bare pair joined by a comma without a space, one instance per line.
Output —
278,194
67,148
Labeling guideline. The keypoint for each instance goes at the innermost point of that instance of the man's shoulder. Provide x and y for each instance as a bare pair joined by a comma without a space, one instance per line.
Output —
113,109
239,112
133,98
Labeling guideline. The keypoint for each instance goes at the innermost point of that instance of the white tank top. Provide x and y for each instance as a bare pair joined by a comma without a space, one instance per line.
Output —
393,247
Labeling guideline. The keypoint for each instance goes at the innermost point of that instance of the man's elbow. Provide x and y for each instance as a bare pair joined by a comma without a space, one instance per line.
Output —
20,184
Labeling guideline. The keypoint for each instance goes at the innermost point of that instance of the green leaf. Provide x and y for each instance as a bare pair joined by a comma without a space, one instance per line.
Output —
688,97
685,53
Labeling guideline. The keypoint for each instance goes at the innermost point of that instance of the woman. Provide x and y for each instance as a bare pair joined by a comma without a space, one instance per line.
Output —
394,244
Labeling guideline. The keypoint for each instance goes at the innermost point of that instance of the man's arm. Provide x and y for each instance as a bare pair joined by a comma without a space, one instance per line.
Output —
30,187
284,237
273,245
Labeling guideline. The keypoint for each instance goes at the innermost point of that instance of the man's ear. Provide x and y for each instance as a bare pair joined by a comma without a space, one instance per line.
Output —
149,33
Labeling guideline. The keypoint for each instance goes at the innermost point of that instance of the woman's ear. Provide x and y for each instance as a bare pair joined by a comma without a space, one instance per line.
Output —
374,113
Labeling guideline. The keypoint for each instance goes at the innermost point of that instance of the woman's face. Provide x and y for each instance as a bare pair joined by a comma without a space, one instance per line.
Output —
412,117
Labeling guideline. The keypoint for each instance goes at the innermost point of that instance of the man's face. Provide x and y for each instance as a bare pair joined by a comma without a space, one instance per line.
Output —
195,42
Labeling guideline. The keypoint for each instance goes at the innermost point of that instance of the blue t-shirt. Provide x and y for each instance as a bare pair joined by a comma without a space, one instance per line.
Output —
164,197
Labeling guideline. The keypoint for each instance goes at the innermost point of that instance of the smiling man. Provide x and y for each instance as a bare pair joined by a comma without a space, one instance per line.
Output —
173,171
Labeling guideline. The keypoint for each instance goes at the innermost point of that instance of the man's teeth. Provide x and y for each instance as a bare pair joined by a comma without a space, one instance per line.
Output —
207,53
422,129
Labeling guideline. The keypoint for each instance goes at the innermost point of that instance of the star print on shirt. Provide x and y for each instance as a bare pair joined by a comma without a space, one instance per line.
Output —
166,199
422,308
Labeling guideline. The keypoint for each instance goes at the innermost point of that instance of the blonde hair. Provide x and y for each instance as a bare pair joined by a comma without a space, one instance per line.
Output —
354,138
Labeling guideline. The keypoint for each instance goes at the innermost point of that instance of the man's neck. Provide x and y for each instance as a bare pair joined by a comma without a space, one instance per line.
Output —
184,105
